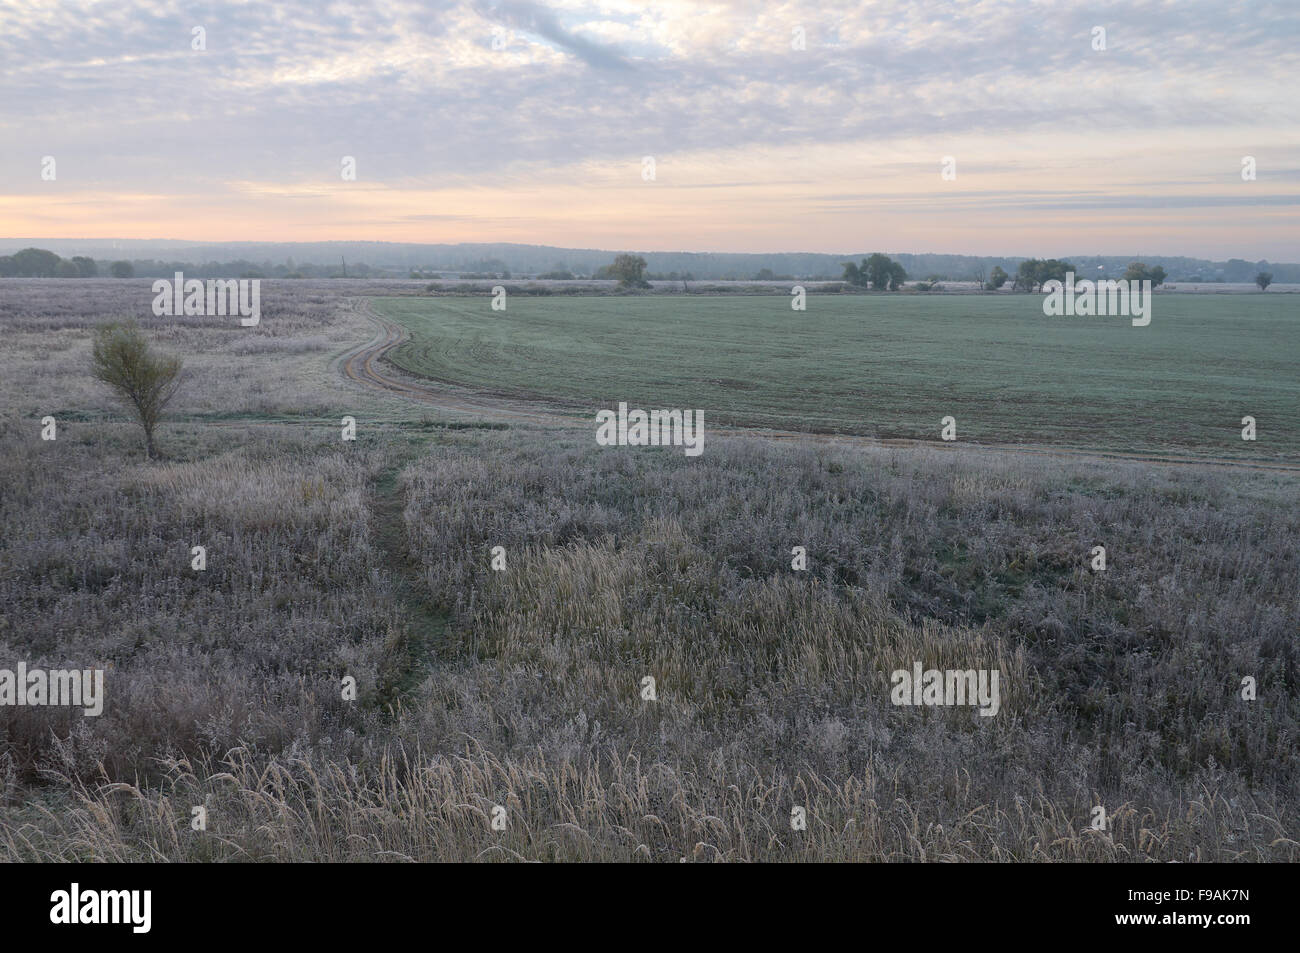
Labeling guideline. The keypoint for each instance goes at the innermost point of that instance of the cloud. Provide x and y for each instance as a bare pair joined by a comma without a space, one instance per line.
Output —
535,18
716,92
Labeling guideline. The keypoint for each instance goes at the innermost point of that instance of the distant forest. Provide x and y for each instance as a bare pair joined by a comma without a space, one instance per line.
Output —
161,259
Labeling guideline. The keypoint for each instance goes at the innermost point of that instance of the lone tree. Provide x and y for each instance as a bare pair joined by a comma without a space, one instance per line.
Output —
879,271
997,278
630,271
1138,271
142,380
1264,279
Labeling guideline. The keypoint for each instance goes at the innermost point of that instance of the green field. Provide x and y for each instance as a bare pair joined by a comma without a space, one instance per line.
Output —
890,366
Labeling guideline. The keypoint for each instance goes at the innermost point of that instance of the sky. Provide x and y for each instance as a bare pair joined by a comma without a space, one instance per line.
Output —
984,127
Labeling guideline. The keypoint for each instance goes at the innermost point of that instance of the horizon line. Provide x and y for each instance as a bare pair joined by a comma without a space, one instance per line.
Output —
1134,256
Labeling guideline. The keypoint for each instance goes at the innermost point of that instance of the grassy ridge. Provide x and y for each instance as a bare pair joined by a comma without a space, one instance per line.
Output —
891,366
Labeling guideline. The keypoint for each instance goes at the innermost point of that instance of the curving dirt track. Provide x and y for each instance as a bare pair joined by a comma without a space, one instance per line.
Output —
362,364
365,366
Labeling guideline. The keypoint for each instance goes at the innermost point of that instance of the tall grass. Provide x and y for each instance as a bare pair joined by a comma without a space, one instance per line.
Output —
1118,689
521,688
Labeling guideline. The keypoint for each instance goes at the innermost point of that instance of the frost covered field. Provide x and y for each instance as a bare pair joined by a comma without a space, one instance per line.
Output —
525,689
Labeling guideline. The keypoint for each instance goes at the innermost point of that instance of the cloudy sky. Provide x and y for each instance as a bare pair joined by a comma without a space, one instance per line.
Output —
514,120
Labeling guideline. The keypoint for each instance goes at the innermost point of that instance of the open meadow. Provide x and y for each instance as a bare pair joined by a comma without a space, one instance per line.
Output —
522,688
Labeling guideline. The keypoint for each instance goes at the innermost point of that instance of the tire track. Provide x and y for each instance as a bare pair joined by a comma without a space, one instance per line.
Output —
362,365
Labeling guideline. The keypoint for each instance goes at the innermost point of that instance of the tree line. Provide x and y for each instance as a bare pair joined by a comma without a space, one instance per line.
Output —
1033,273
39,263
882,273
878,271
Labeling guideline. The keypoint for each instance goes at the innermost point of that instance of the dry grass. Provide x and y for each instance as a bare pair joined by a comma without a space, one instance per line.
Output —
412,808
278,368
521,688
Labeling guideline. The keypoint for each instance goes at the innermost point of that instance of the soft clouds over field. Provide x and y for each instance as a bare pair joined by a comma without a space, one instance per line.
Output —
758,146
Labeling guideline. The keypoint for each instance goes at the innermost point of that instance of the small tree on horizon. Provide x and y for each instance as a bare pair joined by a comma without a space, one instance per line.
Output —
144,381
1138,271
630,271
1264,279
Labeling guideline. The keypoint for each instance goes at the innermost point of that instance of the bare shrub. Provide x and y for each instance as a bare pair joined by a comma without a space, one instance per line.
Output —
146,382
